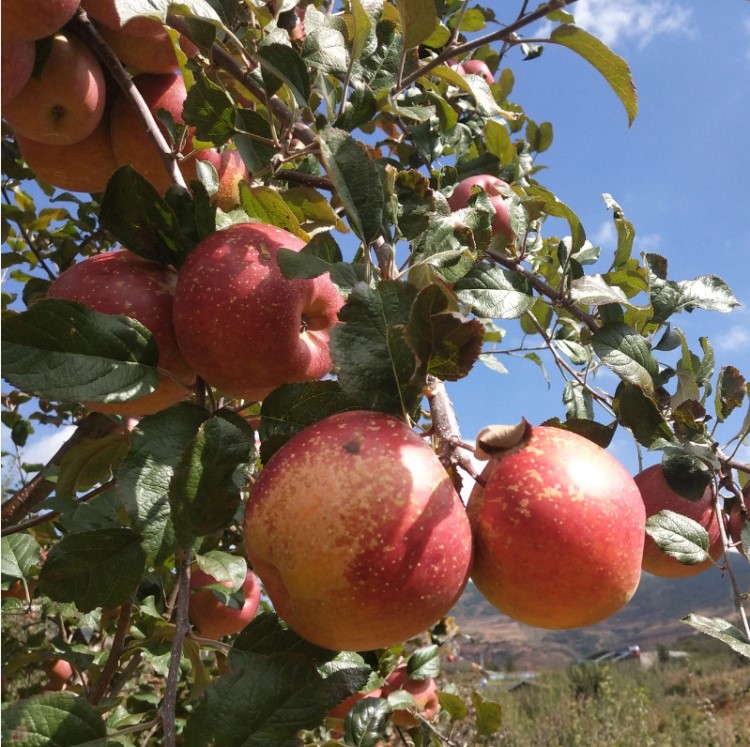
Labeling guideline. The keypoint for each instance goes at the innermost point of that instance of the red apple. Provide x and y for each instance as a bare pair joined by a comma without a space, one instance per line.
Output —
478,67
245,327
84,166
658,496
121,282
494,187
16,66
149,52
357,533
105,12
210,616
423,691
66,103
231,171
130,143
558,532
16,590
28,20
59,673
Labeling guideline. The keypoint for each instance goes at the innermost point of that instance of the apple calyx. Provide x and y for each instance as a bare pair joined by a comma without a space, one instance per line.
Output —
498,441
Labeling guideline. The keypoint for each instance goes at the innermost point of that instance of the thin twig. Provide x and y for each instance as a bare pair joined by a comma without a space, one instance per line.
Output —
182,626
109,670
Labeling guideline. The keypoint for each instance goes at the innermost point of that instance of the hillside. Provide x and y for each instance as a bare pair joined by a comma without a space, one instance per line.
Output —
651,618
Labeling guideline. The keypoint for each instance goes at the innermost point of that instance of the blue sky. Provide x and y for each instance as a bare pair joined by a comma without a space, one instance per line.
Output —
680,174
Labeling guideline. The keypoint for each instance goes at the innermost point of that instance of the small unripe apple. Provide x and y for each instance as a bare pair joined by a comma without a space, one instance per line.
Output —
130,143
84,166
231,172
424,692
29,20
66,103
59,673
121,282
245,327
494,187
558,532
357,533
210,616
16,66
478,67
658,496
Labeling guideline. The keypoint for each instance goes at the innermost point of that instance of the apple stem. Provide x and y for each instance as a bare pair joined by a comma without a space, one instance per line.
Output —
82,26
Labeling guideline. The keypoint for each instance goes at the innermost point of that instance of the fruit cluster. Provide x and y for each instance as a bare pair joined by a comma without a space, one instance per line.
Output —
73,124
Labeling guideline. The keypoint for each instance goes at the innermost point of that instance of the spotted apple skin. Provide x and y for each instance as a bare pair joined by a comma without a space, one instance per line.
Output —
121,282
243,326
357,533
658,496
558,530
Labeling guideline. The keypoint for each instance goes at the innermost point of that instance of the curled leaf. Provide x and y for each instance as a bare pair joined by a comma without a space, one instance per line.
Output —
497,441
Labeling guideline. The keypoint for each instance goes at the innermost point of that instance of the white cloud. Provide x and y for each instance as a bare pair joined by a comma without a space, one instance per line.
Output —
632,20
735,338
40,449
605,236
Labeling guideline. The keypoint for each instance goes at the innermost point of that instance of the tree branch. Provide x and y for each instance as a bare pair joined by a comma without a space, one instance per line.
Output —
115,652
87,31
94,425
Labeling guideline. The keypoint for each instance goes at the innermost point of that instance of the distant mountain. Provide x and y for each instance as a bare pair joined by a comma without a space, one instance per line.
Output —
651,618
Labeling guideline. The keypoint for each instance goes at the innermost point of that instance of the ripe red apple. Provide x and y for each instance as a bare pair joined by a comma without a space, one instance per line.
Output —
424,692
357,533
16,66
558,532
59,673
245,327
658,496
478,67
66,103
121,282
28,20
493,186
84,166
231,171
214,619
130,143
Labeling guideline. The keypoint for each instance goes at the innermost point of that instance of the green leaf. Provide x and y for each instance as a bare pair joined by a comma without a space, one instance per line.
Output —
53,719
678,536
445,343
489,715
578,401
223,567
454,705
721,629
313,211
706,292
614,69
266,205
626,353
89,462
360,108
325,45
158,9
292,407
357,181
731,388
157,446
315,259
371,356
256,153
281,64
142,220
594,290
685,473
362,28
598,433
267,636
418,20
206,487
424,663
210,110
379,66
639,412
18,554
94,569
495,293
265,700
365,724
551,205
62,350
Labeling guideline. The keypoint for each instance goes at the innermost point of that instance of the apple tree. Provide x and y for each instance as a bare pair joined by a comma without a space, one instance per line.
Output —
245,246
